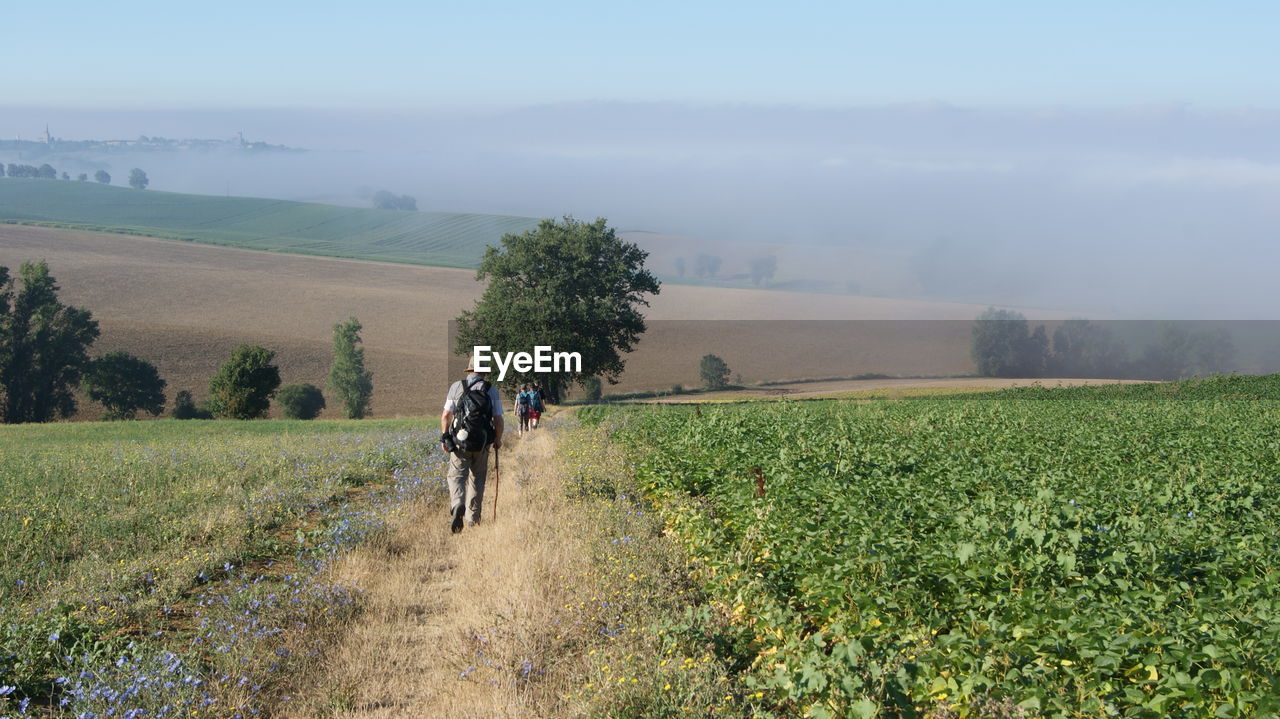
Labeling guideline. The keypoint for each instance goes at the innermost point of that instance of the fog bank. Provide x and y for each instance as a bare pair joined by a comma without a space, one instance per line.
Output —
1147,211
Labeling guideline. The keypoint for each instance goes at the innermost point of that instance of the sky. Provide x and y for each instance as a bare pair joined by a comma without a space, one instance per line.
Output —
1119,158
471,55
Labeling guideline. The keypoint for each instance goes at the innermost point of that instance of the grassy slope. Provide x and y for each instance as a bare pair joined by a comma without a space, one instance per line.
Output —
150,537
448,239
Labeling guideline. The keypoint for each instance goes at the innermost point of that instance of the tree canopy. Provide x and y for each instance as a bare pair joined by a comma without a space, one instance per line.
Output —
1003,347
300,400
714,372
138,179
348,379
572,285
124,385
245,383
43,347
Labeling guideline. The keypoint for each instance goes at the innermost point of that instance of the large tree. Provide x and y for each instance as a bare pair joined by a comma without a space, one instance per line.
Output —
572,285
714,372
124,385
43,347
1003,347
245,383
138,179
348,379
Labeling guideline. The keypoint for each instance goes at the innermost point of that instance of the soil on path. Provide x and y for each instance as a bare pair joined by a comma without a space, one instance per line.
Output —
459,625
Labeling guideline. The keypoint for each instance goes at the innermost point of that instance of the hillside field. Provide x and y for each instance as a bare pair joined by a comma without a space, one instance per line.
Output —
185,306
447,239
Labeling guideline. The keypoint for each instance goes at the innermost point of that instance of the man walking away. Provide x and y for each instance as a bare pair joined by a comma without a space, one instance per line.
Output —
470,424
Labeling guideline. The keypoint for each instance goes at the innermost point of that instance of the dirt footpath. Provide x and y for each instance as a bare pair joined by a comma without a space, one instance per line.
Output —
455,625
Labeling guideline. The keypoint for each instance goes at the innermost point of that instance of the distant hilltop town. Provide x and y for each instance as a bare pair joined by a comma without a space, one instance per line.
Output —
47,143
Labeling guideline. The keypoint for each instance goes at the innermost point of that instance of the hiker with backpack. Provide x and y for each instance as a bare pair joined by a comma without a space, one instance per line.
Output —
524,405
536,397
470,423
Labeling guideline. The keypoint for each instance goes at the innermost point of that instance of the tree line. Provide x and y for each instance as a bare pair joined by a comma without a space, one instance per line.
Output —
138,179
1005,345
44,359
760,269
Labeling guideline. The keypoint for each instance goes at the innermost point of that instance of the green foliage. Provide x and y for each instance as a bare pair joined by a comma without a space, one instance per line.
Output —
384,200
592,389
245,383
573,285
124,385
348,379
112,530
1179,352
43,172
714,372
43,347
138,179
1070,558
1233,387
451,239
103,177
1003,347
1085,349
184,407
300,400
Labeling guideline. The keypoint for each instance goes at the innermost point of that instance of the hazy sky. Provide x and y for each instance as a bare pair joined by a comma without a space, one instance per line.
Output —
1119,157
433,55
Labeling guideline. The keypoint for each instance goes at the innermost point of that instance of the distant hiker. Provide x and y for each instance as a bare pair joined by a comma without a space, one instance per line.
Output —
524,405
470,424
538,398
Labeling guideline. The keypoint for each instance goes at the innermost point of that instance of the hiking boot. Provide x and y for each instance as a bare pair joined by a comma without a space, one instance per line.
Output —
456,526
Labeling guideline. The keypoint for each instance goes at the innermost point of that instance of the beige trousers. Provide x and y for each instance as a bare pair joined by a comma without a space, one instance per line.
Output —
467,471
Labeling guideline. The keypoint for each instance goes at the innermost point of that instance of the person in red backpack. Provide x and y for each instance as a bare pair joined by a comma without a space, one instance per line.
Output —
536,396
470,424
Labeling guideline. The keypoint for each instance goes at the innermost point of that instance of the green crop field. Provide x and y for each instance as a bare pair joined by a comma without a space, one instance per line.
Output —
448,239
178,568
1099,555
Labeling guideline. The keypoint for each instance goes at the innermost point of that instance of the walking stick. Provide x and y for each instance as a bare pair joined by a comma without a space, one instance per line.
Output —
497,477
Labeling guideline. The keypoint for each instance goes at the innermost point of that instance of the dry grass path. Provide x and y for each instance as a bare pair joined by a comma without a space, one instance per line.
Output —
461,625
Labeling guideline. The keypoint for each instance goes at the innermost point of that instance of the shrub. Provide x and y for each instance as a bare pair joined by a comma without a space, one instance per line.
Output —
184,407
592,389
301,400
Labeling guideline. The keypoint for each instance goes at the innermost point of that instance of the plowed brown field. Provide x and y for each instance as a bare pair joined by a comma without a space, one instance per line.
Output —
185,306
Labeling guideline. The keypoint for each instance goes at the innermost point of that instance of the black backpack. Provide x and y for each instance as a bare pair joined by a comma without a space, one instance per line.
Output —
473,427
